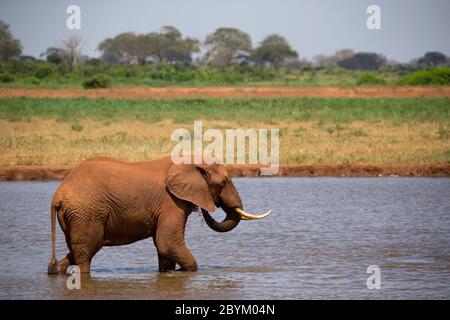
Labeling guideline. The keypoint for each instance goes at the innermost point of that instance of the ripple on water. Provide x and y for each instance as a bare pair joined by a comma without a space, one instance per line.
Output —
318,243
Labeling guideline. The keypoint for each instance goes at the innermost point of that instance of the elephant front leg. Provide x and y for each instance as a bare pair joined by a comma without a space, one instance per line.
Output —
171,247
165,265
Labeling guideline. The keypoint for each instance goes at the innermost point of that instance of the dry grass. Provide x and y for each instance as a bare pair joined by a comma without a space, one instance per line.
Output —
46,141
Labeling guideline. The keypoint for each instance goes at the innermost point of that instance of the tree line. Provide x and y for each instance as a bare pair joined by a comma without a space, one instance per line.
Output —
222,48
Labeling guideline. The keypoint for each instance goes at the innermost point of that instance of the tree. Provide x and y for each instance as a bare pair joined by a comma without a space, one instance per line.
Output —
172,47
343,54
168,45
53,55
71,48
9,46
432,59
363,61
224,44
119,49
274,49
323,61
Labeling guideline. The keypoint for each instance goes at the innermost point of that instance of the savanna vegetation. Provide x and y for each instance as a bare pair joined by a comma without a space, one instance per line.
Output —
227,56
388,131
313,131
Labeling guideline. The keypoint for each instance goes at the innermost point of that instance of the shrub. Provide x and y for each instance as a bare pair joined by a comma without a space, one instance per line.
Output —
32,80
436,76
368,78
21,68
44,72
6,77
185,76
97,81
77,127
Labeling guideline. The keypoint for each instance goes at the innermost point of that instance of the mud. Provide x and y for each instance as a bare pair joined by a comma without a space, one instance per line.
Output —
42,173
137,93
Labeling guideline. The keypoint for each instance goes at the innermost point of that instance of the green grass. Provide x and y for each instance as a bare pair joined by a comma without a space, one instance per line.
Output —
184,74
327,131
171,75
369,79
437,76
263,110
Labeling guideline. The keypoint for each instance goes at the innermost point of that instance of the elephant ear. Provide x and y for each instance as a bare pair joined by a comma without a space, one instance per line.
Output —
186,182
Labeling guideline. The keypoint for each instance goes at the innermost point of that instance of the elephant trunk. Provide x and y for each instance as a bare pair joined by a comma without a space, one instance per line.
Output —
229,223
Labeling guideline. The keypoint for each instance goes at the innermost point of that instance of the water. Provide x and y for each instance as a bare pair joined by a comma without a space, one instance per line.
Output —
318,243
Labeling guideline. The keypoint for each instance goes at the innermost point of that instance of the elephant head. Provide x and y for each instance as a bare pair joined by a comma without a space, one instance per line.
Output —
209,186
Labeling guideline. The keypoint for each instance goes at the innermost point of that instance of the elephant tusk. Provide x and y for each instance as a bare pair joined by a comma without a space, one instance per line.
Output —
248,216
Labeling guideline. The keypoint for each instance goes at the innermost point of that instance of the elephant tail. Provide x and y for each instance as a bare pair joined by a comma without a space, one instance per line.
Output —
53,265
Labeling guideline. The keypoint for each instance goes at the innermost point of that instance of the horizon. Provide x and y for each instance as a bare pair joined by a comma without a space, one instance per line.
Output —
336,26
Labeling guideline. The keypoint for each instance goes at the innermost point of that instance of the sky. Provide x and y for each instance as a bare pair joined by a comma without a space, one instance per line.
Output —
409,28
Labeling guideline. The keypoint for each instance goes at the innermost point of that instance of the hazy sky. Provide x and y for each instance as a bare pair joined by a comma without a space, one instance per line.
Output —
409,27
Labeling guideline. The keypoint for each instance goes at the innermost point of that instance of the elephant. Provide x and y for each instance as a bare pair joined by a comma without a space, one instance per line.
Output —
107,202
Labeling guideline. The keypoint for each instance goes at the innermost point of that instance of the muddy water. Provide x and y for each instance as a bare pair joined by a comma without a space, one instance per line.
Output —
318,243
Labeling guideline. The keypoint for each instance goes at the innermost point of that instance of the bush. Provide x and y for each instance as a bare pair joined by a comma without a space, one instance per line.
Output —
97,81
436,76
21,68
32,80
44,72
77,127
370,79
6,77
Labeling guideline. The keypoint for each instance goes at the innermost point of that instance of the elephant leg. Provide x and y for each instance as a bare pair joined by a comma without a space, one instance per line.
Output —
86,239
164,264
68,260
171,246
65,262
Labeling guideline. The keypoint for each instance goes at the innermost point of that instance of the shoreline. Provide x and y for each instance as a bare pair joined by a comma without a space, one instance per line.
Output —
137,93
58,172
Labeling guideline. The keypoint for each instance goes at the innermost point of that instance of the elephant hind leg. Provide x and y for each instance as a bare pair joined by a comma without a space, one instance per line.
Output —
68,260
65,262
86,239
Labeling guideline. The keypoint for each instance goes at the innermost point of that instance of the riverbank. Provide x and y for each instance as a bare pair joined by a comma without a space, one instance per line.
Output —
55,172
138,93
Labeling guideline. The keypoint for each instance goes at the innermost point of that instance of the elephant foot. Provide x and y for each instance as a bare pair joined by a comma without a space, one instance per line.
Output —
53,267
165,265
192,267
85,267
63,265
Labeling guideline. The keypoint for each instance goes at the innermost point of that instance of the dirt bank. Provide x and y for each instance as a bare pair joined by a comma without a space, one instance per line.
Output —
230,92
27,173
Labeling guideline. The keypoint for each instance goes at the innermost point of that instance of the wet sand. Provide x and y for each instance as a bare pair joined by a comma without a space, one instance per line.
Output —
137,93
54,172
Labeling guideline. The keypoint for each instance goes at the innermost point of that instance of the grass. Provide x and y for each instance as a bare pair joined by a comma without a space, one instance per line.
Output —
325,131
262,110
18,74
304,78
437,76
